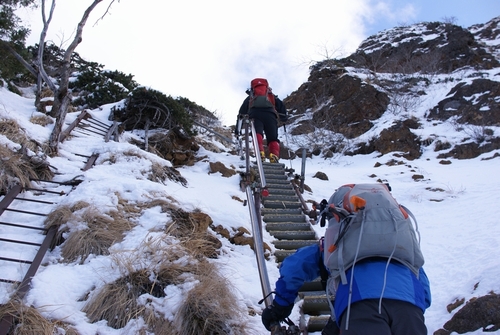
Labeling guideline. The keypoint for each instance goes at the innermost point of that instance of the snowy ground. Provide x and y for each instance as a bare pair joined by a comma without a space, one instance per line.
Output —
458,225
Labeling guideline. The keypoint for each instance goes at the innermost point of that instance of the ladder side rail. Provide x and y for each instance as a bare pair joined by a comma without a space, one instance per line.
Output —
257,156
68,130
9,197
111,131
24,287
259,248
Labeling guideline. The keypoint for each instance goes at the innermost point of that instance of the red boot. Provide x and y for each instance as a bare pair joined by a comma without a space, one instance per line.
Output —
274,151
261,147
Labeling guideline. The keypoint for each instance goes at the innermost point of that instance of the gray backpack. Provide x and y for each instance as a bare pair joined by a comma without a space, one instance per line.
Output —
366,221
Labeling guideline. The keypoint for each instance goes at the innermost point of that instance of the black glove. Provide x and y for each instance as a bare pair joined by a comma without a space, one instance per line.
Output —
324,214
274,314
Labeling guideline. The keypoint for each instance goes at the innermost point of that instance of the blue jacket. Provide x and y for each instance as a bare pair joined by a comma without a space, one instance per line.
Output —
368,281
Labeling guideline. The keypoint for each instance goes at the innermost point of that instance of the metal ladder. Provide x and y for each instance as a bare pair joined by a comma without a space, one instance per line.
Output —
24,209
286,218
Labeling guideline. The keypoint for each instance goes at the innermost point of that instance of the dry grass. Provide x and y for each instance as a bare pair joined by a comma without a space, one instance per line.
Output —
210,307
10,129
28,321
42,120
160,173
118,302
100,233
19,167
61,216
15,170
191,228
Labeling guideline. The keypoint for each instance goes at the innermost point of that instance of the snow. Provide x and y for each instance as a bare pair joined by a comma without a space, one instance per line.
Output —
455,205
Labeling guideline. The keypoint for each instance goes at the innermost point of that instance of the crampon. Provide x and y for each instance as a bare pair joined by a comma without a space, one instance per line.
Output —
292,329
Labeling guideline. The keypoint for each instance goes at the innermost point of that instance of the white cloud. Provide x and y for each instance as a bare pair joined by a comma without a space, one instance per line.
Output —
208,51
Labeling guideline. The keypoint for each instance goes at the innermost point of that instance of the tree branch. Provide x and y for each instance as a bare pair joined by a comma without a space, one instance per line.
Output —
107,10
41,47
19,58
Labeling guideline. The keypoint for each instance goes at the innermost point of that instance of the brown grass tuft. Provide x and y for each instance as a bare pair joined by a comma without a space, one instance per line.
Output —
15,169
11,129
17,166
60,216
191,228
28,321
101,233
83,230
210,307
42,120
118,302
160,173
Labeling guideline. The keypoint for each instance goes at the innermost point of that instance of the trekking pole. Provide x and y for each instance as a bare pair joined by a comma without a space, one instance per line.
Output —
288,147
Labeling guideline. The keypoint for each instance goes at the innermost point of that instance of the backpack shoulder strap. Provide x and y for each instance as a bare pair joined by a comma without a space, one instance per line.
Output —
323,272
414,220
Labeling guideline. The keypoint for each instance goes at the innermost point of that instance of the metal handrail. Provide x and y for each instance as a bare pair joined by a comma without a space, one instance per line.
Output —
254,194
259,247
257,156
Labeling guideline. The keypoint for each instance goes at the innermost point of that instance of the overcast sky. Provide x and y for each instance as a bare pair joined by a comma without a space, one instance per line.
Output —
208,51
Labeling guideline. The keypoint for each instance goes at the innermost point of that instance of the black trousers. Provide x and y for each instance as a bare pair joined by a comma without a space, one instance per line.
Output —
396,318
265,122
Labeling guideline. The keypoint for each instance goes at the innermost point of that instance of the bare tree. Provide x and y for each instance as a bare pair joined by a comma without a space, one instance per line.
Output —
41,74
62,95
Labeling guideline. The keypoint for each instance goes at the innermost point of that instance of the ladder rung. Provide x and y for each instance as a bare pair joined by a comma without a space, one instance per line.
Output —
24,212
15,260
10,281
21,226
35,200
20,242
44,190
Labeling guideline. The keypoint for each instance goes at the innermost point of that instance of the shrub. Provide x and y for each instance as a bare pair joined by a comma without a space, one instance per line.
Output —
147,109
97,87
